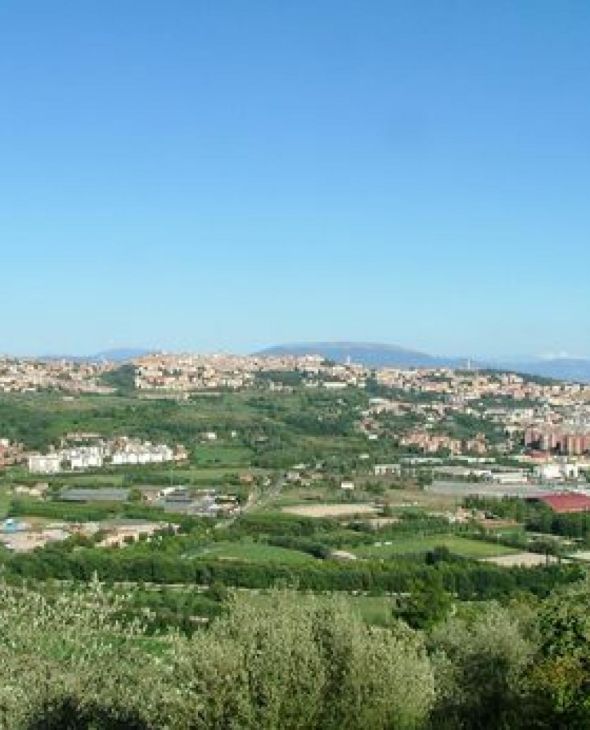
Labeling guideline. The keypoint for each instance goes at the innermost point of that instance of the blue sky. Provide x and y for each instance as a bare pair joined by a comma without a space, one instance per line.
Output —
232,174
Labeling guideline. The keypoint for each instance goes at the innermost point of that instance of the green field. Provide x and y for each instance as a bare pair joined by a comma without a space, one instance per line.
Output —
256,552
196,475
222,455
253,552
86,480
462,546
129,476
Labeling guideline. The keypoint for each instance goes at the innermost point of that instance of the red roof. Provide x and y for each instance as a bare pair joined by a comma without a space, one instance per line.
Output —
567,502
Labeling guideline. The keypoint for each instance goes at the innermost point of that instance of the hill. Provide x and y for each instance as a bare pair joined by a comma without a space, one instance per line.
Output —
122,355
382,355
368,353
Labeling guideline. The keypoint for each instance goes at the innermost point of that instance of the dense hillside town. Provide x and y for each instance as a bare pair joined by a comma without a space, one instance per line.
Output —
29,375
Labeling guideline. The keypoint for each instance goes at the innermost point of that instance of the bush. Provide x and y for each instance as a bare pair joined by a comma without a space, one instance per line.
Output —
286,662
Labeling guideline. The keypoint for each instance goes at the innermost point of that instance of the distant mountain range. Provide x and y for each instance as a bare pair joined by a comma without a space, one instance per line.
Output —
375,354
379,355
367,353
121,355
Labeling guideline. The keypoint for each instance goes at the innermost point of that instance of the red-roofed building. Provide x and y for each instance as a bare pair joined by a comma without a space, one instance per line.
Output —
566,502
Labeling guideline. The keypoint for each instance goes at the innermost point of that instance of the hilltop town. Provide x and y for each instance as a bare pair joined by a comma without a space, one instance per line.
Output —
432,411
30,375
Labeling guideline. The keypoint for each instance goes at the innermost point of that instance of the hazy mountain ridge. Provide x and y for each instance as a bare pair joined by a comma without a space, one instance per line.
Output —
374,354
122,354
383,355
367,353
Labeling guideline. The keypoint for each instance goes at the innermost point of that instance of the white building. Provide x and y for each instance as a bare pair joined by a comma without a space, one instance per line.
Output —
382,470
84,457
44,463
133,454
510,477
556,471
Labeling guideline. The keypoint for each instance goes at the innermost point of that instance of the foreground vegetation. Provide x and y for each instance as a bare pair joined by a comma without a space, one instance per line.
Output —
69,659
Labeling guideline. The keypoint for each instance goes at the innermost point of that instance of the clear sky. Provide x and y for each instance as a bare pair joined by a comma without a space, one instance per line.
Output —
231,174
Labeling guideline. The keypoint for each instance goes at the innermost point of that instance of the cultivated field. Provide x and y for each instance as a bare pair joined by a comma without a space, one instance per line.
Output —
412,545
252,552
331,510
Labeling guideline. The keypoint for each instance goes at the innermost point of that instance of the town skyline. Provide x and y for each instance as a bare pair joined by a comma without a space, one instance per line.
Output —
369,355
122,349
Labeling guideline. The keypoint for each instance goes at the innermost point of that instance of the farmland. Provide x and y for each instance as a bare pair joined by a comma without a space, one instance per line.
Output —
415,545
252,552
350,509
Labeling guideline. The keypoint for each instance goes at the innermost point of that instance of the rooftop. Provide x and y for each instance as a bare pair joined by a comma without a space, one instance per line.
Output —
566,502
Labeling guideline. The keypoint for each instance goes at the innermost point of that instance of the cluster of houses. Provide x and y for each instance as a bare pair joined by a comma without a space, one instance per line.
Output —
432,443
524,471
504,398
551,418
474,385
10,453
186,373
20,536
22,375
114,452
420,426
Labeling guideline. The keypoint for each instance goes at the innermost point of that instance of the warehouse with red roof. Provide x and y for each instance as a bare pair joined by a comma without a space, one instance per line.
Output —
566,502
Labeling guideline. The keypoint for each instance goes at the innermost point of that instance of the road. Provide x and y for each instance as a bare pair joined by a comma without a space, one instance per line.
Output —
256,497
